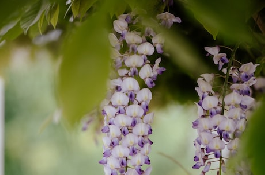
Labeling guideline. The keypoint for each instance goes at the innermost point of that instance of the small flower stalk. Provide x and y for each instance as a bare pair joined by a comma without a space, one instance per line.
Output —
222,114
127,119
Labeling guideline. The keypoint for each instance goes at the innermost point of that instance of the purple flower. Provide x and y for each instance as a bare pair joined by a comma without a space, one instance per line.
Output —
127,121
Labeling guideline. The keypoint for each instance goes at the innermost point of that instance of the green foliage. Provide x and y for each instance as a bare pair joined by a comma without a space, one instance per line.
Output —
254,139
80,7
152,8
32,15
226,17
13,33
11,10
40,23
75,7
84,70
54,14
260,70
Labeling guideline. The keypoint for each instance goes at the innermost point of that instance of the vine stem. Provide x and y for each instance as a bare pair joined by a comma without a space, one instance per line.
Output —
175,161
223,96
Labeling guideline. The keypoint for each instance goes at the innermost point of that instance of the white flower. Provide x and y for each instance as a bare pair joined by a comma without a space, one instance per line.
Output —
248,68
215,52
238,86
227,125
217,119
134,61
167,19
120,151
148,118
241,124
133,38
247,101
122,120
208,77
234,113
113,162
140,129
115,54
146,149
130,140
123,16
119,98
120,26
134,111
144,95
106,141
200,110
122,72
204,86
113,40
130,84
114,131
110,111
216,144
145,49
232,99
233,145
115,82
138,159
206,138
146,71
209,102
158,39
205,124
251,81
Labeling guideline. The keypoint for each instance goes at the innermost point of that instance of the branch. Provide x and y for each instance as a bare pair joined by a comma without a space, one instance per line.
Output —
175,161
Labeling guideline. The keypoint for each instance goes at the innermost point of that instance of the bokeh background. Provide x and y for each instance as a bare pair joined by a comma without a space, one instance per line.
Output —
37,142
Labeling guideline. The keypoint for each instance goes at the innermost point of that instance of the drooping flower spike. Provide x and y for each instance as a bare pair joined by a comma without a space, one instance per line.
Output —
222,116
127,120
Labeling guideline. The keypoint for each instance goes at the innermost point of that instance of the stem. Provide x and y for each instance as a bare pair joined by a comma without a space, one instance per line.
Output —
226,47
223,96
176,162
126,166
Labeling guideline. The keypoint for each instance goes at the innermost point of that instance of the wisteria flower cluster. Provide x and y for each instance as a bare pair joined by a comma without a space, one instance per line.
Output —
127,120
222,116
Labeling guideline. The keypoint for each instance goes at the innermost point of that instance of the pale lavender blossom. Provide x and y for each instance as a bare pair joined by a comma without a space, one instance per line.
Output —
127,120
221,119
167,19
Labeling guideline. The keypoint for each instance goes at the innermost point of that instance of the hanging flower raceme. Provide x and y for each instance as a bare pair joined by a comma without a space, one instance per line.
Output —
222,116
127,120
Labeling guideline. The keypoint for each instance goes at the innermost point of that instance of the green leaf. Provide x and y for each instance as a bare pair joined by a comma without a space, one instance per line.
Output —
13,33
254,140
206,22
7,27
40,23
120,9
12,9
48,14
32,15
84,6
153,7
76,7
84,69
54,15
229,17
254,7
